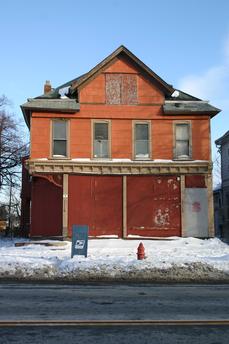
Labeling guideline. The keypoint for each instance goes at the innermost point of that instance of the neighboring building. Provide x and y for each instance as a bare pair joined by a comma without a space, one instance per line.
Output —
223,146
122,151
218,211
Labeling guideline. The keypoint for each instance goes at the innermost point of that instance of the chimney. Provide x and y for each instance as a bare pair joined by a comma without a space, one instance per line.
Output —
47,87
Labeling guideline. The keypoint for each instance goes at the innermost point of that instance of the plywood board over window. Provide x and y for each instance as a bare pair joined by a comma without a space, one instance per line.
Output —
121,89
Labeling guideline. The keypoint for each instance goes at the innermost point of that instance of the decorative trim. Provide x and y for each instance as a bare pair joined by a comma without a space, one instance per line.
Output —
121,168
50,178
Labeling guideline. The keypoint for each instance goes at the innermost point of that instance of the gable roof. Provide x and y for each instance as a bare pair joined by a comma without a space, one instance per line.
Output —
123,51
176,102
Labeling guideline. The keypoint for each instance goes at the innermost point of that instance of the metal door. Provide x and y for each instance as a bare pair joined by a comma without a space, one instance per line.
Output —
96,201
153,206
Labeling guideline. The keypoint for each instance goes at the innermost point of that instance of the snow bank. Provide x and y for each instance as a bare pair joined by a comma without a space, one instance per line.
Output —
174,260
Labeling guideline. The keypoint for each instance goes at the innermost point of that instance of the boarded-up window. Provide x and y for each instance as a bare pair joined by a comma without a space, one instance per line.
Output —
182,141
101,140
121,89
141,144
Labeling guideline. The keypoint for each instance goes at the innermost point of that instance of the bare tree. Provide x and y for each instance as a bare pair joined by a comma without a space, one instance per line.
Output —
12,147
217,170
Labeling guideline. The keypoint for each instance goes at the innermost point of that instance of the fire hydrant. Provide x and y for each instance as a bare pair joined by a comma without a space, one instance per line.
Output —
141,251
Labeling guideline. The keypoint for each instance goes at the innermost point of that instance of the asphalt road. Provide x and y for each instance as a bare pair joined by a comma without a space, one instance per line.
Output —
114,302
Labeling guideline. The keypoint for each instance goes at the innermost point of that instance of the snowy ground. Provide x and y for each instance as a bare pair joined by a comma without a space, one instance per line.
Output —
175,260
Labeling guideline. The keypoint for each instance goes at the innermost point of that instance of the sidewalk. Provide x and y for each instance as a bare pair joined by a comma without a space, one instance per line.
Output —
175,260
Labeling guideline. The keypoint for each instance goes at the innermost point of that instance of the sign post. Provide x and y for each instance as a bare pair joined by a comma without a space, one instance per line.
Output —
79,240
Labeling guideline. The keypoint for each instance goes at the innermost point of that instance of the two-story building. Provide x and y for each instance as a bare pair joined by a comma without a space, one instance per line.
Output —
121,150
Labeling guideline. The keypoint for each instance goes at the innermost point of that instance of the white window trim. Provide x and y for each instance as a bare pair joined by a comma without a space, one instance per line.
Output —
189,157
93,122
60,157
149,141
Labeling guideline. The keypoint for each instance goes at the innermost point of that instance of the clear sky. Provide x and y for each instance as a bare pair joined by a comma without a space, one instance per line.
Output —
185,42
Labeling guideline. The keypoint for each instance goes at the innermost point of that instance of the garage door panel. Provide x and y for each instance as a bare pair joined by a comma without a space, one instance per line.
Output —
96,201
108,205
153,206
46,211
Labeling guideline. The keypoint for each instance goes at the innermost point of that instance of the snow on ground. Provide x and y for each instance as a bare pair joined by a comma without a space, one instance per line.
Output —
174,260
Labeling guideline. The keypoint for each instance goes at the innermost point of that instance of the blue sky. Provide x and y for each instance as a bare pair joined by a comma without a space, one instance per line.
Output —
185,42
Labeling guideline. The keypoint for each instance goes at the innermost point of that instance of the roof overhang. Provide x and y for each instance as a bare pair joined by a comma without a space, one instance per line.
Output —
173,107
65,105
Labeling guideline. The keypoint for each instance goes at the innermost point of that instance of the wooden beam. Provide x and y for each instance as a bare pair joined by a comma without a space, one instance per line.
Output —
124,207
65,206
182,190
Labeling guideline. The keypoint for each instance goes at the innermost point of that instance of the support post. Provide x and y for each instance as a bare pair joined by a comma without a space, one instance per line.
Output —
65,206
124,207
182,198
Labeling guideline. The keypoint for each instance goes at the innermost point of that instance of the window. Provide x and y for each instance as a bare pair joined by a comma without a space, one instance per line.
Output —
227,206
101,140
141,141
182,141
121,89
59,138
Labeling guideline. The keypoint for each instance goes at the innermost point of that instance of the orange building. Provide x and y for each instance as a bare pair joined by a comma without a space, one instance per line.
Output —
122,151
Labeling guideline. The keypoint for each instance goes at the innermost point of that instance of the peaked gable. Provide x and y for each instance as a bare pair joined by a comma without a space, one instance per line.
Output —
136,62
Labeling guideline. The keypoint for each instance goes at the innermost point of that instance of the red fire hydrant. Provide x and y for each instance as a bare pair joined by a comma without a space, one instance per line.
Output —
141,251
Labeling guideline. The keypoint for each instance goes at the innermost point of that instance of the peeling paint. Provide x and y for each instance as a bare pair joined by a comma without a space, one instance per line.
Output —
196,207
162,218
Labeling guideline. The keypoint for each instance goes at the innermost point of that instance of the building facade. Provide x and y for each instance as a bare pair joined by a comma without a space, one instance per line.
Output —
122,151
223,145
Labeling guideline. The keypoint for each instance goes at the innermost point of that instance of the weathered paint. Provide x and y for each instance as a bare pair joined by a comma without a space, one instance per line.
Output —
195,181
153,206
100,202
96,201
121,89
46,211
121,128
93,105
195,212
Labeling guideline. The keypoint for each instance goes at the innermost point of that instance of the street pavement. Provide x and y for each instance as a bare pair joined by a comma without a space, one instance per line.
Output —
114,302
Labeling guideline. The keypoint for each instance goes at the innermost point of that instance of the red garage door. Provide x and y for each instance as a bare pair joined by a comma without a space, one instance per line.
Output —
153,206
96,201
46,212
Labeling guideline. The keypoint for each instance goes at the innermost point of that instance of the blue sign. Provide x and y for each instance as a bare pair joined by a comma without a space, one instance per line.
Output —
79,240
